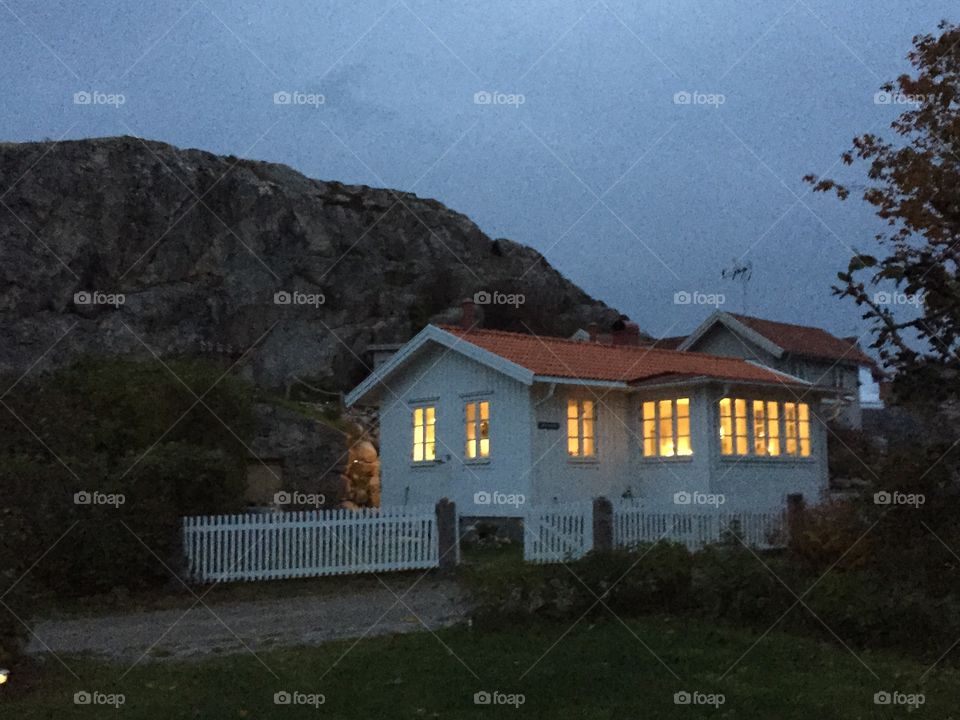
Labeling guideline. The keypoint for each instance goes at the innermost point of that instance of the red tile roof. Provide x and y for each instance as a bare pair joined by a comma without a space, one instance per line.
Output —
669,343
560,357
806,340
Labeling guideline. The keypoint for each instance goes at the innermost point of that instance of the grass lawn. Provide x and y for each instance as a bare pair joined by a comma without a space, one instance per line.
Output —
596,671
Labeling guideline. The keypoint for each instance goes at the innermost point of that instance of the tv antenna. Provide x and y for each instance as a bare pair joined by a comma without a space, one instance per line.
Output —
739,272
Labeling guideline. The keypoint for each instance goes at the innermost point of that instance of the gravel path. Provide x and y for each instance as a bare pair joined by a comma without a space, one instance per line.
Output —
258,625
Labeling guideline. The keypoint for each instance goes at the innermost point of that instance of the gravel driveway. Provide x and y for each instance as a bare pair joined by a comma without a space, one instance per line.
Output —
260,624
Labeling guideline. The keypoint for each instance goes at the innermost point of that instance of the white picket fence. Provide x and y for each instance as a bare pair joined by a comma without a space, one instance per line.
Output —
557,533
634,523
268,546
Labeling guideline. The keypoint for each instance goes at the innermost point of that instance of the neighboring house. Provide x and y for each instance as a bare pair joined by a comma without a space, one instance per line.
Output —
484,417
805,352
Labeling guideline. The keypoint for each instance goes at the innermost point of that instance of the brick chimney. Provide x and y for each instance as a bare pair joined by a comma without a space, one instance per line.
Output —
593,330
468,313
626,333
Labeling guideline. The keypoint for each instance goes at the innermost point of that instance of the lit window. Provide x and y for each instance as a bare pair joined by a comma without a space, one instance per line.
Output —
804,422
790,427
424,434
580,428
769,438
649,429
759,428
666,428
740,425
478,429
683,427
733,426
726,427
773,428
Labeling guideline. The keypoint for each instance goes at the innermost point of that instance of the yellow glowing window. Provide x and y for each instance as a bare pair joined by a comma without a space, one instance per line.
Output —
666,428
790,427
424,434
726,426
804,423
796,426
683,427
478,429
740,425
581,422
649,429
769,438
733,426
759,428
773,428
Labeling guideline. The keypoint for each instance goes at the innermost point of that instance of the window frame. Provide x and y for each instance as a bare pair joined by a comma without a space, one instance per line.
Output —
424,409
476,425
652,429
783,424
580,419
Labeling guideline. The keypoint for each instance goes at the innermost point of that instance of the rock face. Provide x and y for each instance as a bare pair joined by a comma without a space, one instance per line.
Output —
292,277
296,456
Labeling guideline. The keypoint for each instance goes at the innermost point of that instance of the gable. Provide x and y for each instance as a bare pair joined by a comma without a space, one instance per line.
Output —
432,339
720,339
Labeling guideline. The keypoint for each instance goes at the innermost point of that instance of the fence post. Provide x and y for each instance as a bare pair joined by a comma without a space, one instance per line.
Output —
448,542
795,512
602,524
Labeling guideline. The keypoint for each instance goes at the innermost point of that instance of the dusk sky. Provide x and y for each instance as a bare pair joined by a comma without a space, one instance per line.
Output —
587,151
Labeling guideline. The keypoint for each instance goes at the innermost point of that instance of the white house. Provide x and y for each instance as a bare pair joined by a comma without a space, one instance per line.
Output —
809,353
490,418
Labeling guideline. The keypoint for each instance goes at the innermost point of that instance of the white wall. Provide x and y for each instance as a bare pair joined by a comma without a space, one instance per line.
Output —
559,478
444,378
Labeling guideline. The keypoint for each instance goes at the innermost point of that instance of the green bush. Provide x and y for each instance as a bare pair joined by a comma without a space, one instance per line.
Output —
644,579
732,583
647,578
124,430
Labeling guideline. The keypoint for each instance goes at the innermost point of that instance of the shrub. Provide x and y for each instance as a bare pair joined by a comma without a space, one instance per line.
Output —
732,583
833,534
512,590
127,430
865,610
645,579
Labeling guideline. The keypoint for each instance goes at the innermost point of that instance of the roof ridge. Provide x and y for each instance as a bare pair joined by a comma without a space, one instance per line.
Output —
646,349
781,322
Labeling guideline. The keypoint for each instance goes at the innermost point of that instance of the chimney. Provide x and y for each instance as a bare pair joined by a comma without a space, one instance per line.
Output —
627,333
467,313
593,330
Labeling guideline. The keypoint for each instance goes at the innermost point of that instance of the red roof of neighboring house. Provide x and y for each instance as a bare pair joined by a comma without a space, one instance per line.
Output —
669,343
806,340
560,357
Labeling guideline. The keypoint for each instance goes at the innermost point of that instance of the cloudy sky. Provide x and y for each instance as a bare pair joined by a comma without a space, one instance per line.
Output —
641,146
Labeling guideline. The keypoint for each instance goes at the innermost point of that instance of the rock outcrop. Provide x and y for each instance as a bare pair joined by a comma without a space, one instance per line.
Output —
119,246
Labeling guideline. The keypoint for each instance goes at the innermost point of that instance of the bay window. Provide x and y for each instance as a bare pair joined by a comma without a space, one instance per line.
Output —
776,428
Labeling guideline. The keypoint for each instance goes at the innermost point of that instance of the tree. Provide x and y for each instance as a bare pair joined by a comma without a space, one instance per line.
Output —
914,185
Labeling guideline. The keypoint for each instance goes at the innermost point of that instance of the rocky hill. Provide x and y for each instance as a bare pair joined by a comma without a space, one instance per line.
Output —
131,247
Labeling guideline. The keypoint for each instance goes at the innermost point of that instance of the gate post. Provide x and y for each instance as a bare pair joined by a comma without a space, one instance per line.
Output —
602,524
448,540
795,512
